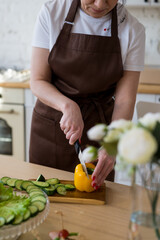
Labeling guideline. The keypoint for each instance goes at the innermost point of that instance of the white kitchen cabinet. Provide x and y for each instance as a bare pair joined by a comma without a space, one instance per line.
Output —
30,100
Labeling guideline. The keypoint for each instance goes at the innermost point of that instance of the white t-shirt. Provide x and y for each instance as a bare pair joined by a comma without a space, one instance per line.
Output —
131,33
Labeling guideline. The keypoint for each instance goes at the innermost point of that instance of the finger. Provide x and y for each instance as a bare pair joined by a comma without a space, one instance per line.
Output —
100,165
66,130
74,137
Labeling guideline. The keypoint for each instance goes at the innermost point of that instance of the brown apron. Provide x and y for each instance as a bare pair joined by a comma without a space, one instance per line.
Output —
86,68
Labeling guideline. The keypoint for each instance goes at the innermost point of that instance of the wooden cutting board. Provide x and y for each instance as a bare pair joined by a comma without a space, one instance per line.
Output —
97,197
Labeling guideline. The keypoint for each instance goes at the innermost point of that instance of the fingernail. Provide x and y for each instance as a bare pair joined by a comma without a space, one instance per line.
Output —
94,185
93,178
97,187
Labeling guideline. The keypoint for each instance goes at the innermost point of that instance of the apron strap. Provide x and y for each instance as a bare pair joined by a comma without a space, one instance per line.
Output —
69,21
114,25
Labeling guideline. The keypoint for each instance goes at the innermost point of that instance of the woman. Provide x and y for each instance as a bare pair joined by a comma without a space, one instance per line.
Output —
86,62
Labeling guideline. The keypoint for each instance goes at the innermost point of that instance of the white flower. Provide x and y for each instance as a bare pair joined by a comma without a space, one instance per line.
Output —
137,146
149,120
112,136
97,132
121,124
89,154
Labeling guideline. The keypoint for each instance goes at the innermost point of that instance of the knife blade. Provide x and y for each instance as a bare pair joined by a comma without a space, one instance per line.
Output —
79,152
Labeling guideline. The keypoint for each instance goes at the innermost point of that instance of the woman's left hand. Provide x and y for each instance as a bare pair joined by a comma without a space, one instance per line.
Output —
104,166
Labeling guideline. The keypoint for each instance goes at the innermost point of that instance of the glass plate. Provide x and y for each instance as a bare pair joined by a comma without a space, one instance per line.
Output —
14,231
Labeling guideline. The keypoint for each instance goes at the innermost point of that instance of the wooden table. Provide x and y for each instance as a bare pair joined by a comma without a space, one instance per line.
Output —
94,222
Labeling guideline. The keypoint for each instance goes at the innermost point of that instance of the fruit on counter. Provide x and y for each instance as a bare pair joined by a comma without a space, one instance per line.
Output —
81,182
62,235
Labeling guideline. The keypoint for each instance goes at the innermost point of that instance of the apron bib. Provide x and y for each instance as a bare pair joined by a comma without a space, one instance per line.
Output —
85,68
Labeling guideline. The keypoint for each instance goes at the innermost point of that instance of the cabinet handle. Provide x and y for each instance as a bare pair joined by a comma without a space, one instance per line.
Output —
12,111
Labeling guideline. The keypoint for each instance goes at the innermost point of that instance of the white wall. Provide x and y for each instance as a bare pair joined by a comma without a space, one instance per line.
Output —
150,18
17,19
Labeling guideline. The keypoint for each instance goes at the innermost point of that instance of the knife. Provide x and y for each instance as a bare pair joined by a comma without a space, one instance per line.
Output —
79,152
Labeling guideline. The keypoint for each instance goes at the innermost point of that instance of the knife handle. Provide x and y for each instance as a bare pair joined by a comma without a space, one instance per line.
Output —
77,146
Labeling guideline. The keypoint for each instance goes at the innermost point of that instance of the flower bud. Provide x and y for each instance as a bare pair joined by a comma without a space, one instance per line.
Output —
121,124
149,120
97,132
113,135
137,146
89,154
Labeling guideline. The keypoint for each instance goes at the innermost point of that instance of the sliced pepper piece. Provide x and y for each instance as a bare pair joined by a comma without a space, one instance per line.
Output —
81,182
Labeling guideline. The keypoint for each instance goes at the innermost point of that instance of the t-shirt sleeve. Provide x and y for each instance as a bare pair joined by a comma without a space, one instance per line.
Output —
136,49
41,30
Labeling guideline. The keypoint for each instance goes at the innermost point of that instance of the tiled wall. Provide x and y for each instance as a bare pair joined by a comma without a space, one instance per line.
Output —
17,18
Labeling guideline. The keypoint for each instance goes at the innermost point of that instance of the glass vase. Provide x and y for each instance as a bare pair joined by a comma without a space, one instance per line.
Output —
145,216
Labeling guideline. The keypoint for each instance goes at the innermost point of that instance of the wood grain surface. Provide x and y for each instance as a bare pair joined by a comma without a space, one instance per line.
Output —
109,221
97,197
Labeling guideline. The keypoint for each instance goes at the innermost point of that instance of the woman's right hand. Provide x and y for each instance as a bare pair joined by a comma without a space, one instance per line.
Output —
71,122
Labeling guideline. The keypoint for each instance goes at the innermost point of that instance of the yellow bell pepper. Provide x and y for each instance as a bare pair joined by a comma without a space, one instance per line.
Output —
81,182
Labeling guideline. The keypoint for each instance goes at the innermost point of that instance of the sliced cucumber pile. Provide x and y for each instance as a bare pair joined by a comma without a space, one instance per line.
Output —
36,200
49,186
15,209
54,186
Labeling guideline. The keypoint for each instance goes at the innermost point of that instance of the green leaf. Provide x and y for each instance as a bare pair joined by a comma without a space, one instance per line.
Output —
111,148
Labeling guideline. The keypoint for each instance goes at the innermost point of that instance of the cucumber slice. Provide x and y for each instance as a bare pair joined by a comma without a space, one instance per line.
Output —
59,185
36,193
41,178
33,209
38,198
69,187
50,190
41,184
61,190
2,221
18,184
26,215
18,219
53,181
4,179
32,187
40,205
36,190
11,182
25,184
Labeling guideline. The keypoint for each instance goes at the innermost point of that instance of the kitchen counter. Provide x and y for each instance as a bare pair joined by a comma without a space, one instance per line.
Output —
24,84
142,88
109,222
